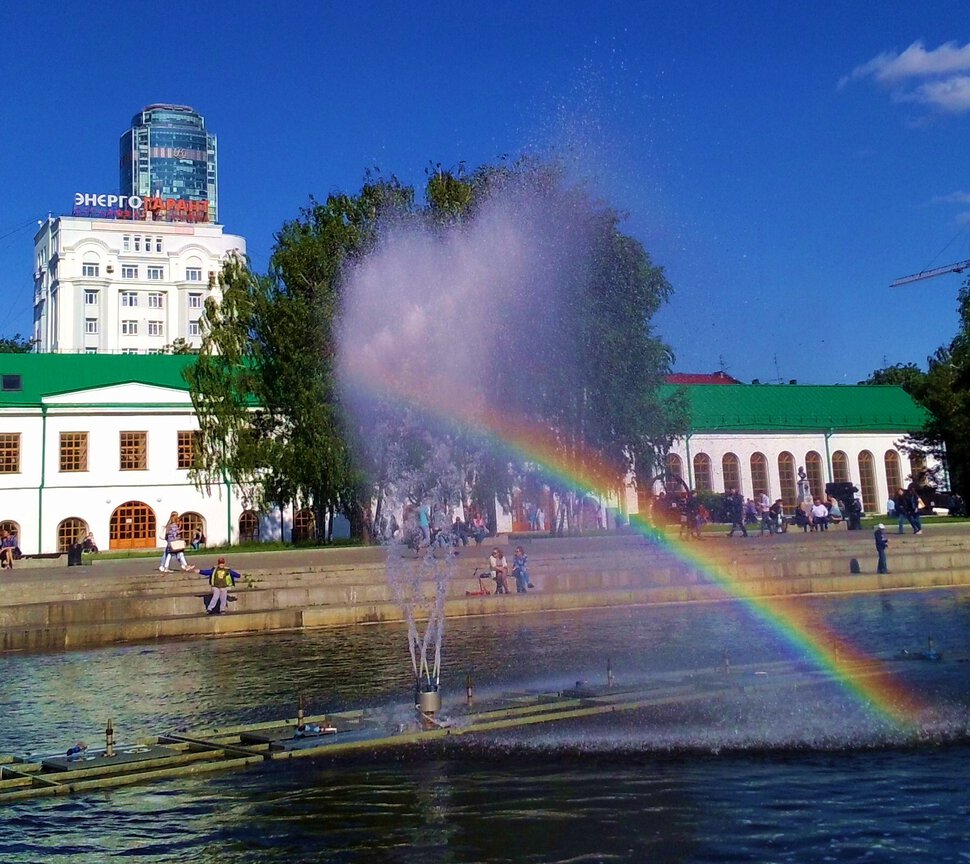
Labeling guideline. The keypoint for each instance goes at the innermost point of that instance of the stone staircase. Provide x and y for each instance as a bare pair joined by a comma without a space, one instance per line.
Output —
130,601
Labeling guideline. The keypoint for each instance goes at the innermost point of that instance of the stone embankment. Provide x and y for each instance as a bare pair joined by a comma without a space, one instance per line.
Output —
48,606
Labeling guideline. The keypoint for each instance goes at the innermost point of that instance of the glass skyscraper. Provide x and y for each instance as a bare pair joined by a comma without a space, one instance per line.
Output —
167,153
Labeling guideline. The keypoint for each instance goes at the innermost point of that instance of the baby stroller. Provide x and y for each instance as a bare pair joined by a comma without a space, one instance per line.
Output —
483,576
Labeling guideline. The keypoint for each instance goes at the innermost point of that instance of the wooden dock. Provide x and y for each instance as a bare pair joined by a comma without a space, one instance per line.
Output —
186,752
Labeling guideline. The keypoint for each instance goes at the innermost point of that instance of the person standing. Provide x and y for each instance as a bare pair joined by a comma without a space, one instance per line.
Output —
882,543
736,512
221,578
520,562
174,545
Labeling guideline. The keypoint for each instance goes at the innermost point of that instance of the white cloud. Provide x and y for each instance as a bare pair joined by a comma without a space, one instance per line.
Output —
942,87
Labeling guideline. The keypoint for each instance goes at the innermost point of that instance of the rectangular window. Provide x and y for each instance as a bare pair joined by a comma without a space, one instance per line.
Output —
134,451
156,301
156,274
155,351
74,451
129,298
129,350
10,453
126,243
158,244
91,326
90,270
129,328
137,243
90,298
90,350
129,272
195,301
11,383
155,328
194,329
188,445
193,274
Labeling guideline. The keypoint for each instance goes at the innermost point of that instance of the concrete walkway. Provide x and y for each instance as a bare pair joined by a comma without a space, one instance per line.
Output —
49,606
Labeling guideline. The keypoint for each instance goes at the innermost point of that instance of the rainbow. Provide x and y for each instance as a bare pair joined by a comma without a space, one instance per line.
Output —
864,677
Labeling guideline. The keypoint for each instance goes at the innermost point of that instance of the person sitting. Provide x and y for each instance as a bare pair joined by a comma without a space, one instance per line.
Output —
820,516
8,543
479,529
499,568
801,518
835,511
88,544
458,530
198,539
777,511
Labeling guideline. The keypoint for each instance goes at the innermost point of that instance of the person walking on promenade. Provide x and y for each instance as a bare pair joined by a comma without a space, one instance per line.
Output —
912,504
174,545
221,578
735,506
882,543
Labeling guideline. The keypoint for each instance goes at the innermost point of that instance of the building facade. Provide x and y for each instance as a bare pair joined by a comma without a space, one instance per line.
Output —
755,437
105,443
168,154
124,286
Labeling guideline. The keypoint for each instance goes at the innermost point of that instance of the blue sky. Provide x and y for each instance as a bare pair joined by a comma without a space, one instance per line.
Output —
782,161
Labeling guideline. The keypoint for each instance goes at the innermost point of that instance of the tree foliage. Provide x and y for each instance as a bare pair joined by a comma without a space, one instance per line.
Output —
264,386
944,391
16,344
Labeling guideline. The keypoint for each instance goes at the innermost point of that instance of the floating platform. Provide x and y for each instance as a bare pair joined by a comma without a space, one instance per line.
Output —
186,752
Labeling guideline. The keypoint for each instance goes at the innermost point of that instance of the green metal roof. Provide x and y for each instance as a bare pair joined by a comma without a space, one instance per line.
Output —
44,375
801,407
714,407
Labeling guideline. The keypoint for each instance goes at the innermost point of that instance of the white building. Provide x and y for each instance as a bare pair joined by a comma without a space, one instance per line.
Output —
105,444
124,286
755,437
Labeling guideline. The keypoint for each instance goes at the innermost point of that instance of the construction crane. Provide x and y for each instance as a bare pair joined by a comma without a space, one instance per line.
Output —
929,274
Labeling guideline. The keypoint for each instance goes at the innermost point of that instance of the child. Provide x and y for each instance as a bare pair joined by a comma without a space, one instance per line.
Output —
519,562
882,543
221,578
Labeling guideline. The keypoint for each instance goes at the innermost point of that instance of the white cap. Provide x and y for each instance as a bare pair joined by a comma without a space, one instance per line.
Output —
882,527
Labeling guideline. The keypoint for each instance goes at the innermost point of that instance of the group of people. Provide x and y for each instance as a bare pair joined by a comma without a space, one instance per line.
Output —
905,506
498,567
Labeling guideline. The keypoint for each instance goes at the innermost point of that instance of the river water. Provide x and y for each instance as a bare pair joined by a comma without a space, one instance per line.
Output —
788,774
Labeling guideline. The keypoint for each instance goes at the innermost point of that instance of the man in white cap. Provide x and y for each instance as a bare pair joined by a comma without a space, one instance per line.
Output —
882,543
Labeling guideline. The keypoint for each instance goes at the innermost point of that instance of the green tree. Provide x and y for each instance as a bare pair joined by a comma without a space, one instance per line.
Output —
944,391
16,344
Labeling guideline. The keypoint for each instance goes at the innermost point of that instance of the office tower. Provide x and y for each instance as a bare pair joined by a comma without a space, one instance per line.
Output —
167,154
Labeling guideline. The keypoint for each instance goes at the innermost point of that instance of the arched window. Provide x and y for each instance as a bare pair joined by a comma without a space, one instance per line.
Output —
192,522
675,473
248,527
917,469
304,526
759,473
71,530
132,526
702,473
894,476
867,482
840,467
786,477
813,470
731,469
